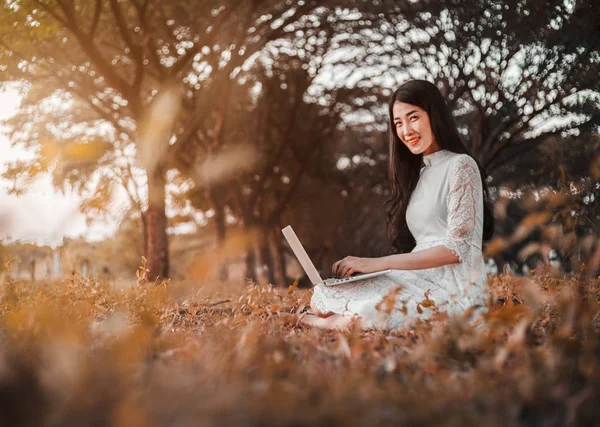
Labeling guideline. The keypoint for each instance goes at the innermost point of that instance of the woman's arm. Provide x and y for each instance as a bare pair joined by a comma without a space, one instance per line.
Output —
427,258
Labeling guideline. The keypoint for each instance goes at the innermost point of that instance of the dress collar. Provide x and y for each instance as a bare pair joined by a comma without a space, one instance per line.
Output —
436,158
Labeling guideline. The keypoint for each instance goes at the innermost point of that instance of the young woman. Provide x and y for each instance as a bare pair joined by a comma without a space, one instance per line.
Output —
439,216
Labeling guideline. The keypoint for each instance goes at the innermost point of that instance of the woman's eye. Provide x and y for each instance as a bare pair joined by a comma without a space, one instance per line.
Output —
413,118
398,124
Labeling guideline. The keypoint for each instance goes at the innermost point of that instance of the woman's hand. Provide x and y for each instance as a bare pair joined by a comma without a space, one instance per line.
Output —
351,265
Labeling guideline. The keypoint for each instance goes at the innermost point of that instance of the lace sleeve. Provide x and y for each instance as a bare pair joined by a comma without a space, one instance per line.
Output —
465,190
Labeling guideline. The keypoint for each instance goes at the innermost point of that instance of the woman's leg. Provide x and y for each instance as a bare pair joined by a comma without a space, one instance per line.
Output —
317,312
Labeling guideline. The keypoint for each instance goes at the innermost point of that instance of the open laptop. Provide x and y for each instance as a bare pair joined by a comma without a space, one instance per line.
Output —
309,267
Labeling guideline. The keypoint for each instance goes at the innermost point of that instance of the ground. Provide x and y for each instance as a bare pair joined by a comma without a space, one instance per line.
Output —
78,352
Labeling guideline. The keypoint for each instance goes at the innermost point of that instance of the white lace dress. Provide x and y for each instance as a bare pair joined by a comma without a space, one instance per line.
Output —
446,209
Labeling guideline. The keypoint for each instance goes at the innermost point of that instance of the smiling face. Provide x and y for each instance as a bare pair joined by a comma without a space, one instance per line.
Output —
414,129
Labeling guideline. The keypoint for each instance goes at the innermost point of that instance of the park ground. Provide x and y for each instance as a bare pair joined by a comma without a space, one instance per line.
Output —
81,352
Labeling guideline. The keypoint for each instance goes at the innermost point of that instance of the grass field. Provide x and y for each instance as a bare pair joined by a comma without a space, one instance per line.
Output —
83,353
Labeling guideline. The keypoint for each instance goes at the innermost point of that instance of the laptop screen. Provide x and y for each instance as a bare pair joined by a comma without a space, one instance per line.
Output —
301,254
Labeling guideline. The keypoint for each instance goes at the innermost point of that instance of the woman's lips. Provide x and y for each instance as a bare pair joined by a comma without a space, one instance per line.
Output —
413,141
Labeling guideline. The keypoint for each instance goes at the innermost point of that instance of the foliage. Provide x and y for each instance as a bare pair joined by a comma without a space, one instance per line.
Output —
250,106
159,79
555,207
510,70
82,352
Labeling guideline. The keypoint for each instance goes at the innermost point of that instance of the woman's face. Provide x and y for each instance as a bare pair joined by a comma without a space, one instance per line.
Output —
413,128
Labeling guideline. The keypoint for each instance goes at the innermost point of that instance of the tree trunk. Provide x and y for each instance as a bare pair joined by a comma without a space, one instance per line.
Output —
220,234
266,258
250,265
277,249
157,241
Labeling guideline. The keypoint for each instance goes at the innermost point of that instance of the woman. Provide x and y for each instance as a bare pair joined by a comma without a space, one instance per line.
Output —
439,217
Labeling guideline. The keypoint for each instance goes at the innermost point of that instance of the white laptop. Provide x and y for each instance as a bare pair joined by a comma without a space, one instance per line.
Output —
309,267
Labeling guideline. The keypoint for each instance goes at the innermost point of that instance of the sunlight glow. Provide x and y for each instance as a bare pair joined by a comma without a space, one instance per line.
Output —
9,102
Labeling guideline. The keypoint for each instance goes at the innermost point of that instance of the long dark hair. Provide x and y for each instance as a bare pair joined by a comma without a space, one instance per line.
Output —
405,166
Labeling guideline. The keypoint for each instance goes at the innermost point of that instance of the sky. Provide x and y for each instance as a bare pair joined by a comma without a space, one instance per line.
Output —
42,215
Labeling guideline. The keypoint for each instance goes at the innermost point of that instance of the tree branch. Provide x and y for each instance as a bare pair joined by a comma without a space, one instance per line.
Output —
189,55
285,139
104,68
95,19
63,21
135,49
523,148
300,169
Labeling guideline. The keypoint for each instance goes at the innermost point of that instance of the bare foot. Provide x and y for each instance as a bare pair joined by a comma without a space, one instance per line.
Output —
335,321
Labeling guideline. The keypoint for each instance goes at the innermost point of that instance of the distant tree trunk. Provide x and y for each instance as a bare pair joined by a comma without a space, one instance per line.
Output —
157,241
220,230
250,264
266,258
84,268
32,272
321,260
279,264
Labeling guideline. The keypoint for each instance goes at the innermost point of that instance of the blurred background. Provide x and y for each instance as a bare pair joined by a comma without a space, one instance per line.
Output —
190,132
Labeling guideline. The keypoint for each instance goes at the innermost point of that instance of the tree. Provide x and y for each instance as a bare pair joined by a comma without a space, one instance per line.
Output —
509,70
118,77
549,201
516,75
288,136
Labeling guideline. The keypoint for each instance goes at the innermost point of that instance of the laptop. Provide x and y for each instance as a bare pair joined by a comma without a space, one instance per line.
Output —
309,267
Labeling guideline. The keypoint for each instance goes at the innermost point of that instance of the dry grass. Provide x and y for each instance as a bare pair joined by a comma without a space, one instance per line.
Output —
79,353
